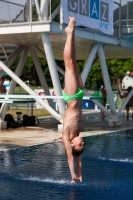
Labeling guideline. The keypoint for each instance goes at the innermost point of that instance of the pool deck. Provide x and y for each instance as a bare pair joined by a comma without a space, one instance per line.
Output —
47,131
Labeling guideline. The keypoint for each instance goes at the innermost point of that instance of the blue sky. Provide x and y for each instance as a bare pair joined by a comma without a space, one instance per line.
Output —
19,2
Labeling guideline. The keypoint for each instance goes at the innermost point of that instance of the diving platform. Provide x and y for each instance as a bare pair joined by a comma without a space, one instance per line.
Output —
26,34
41,36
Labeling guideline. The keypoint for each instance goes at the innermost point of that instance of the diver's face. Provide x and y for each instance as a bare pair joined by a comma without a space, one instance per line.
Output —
78,142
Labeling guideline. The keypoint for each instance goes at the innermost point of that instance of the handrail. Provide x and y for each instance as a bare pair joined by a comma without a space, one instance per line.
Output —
38,97
13,3
123,20
14,19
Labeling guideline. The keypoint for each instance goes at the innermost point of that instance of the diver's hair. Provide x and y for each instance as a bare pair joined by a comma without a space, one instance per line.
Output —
76,152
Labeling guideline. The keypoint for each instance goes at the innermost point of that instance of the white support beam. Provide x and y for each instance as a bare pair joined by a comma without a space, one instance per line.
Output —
51,61
13,82
38,10
30,91
48,26
89,62
43,55
56,11
4,51
41,75
44,9
12,58
107,81
53,71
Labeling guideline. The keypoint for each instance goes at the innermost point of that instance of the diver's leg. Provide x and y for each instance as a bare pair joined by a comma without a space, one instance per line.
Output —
79,79
69,59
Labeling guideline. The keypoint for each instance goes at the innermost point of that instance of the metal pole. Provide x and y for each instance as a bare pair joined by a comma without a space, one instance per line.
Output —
30,91
89,62
4,51
43,55
127,13
41,75
106,80
44,9
38,10
51,62
30,15
53,71
31,109
28,10
27,99
13,83
12,58
120,20
61,14
56,11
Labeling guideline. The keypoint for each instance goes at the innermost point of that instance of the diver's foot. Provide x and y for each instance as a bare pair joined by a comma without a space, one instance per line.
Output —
71,25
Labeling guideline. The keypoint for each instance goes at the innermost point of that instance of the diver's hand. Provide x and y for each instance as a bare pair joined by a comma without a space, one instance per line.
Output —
75,179
80,177
57,139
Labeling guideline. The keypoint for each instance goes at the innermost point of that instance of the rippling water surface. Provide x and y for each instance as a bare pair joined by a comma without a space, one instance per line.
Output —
41,172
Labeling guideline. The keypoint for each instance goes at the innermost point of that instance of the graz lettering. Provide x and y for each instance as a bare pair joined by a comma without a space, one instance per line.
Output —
96,9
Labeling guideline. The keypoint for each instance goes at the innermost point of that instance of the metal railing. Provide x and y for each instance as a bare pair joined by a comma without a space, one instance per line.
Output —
125,16
17,13
11,12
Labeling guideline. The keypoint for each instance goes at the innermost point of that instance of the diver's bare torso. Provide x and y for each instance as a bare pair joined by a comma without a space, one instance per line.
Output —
73,118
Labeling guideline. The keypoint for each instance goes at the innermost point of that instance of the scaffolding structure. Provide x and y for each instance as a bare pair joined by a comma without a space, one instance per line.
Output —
31,28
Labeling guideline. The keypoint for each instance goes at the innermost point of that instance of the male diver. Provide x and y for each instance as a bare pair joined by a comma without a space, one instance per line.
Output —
73,94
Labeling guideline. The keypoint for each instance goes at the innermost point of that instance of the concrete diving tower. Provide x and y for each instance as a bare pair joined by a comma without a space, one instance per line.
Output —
22,34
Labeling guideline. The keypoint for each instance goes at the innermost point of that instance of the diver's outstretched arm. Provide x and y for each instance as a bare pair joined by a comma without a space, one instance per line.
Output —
79,167
70,158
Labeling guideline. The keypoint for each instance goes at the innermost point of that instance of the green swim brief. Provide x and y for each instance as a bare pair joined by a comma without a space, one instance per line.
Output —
78,95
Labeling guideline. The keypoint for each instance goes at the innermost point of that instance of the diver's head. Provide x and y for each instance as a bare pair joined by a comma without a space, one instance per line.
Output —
77,145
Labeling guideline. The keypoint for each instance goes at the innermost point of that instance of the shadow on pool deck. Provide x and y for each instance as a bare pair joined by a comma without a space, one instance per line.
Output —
47,131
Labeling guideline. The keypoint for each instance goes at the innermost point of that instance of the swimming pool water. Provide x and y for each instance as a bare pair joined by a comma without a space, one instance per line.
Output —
41,172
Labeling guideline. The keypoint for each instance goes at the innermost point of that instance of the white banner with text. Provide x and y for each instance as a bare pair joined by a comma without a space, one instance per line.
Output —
95,14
